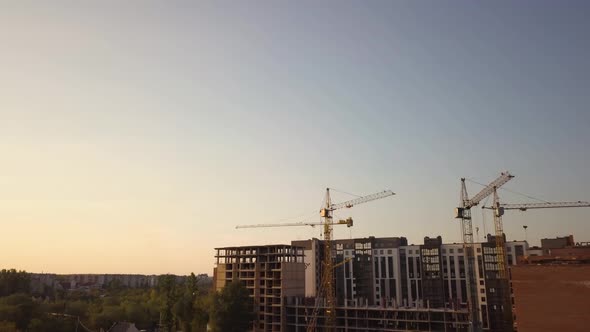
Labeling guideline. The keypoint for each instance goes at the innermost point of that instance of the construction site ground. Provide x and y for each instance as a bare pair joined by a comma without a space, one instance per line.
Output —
552,297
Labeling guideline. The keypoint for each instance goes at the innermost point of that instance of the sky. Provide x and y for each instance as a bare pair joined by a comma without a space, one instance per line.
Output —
136,135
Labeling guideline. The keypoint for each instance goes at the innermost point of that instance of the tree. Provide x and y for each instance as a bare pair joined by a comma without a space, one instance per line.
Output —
115,285
184,308
53,324
108,316
231,309
17,308
167,289
178,306
13,281
137,313
77,308
7,326
201,314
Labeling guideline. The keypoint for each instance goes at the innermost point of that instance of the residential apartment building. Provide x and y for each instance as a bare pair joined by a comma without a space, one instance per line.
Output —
271,273
389,273
93,281
376,318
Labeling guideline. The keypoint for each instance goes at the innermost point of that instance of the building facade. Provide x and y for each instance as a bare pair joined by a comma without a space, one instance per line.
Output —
377,318
557,243
271,274
389,273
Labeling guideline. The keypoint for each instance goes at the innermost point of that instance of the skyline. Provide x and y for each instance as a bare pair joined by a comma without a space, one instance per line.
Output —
134,139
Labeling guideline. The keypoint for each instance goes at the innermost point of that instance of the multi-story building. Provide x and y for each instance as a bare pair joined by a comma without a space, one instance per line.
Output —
389,273
381,283
39,281
271,274
363,318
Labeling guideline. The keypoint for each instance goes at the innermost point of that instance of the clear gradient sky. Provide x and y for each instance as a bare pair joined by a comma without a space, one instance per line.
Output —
135,135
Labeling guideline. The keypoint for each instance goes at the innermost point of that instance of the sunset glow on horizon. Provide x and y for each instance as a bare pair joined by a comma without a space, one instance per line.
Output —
137,135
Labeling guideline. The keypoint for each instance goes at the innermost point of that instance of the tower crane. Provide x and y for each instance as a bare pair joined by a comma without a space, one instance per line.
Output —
498,210
546,205
464,213
348,222
327,289
328,268
312,325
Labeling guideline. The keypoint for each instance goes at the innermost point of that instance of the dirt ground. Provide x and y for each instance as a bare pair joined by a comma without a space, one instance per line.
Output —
552,297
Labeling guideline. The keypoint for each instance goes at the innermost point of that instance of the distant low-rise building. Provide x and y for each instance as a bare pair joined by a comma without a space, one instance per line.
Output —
535,251
557,243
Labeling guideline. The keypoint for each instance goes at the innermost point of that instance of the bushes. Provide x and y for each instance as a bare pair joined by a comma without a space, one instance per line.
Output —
231,310
178,306
13,281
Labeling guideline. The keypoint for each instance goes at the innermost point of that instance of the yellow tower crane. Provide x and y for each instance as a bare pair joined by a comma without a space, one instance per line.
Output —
348,222
328,268
327,291
498,211
464,213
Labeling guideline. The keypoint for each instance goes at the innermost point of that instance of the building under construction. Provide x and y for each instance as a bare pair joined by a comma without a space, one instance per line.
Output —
271,274
361,318
382,284
387,272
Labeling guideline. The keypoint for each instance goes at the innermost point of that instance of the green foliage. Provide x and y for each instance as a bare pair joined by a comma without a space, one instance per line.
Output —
184,308
77,308
115,285
17,308
231,309
108,316
136,312
50,323
201,314
13,281
7,326
168,291
55,307
178,306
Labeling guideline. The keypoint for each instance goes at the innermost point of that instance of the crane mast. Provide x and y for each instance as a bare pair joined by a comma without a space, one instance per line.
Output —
327,289
498,211
464,213
500,241
327,285
328,271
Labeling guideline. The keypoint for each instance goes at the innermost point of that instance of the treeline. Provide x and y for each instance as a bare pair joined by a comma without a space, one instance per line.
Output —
171,306
13,281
